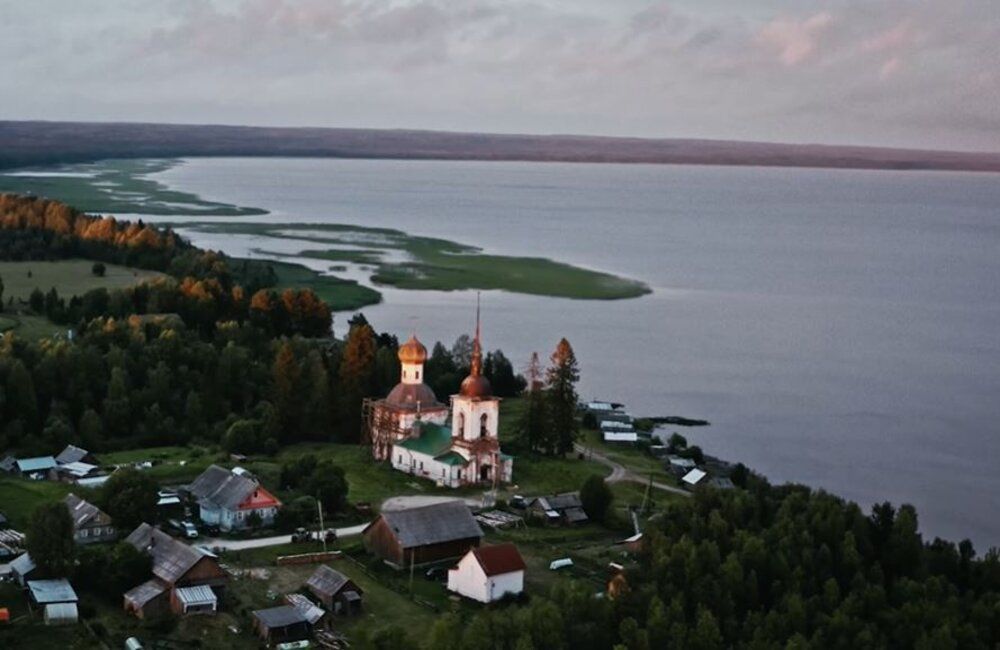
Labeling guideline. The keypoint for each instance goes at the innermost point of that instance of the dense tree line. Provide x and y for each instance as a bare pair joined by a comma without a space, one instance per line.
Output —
769,567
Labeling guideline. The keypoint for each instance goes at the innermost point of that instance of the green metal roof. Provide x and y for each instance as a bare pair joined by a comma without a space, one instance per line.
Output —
434,439
504,456
452,458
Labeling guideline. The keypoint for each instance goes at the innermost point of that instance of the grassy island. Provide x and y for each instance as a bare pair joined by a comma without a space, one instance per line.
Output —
120,186
407,261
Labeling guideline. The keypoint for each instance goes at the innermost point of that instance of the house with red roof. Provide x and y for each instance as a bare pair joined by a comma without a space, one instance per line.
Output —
488,573
229,499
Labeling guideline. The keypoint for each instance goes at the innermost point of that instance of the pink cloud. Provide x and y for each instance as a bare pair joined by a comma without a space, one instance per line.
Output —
794,41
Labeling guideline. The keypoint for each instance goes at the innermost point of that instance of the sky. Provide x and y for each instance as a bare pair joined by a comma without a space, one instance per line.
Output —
912,73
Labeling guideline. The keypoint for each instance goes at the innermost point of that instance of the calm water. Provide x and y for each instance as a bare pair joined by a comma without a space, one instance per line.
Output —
840,329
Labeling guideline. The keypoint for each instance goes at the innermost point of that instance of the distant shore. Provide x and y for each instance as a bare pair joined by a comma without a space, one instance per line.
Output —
27,143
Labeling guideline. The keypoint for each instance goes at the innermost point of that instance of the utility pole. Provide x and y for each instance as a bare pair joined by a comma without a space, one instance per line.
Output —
411,569
320,533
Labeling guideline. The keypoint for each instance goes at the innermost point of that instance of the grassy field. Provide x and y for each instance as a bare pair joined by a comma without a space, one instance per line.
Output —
410,262
632,458
119,186
19,497
69,277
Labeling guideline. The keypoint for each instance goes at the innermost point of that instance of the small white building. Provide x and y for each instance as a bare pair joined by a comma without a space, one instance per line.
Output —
488,573
694,477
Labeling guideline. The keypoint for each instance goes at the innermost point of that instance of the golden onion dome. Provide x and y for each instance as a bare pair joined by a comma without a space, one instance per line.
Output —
475,385
413,351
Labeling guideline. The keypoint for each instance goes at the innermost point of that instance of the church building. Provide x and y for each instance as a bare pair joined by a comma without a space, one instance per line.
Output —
419,435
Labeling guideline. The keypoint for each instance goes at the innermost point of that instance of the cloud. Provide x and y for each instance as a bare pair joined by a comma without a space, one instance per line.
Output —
840,71
794,40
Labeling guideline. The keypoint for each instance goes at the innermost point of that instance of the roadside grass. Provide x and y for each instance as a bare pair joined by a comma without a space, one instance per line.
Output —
632,458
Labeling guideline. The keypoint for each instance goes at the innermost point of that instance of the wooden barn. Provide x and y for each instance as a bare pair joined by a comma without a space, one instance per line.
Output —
423,535
334,590
283,624
179,572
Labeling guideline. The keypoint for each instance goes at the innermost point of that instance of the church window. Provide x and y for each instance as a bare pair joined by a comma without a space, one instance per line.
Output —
483,427
417,375
461,423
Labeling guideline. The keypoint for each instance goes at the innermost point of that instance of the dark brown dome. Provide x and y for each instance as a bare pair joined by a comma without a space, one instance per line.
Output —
475,386
407,396
413,351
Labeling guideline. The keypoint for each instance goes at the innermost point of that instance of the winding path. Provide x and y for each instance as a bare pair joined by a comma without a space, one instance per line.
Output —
620,473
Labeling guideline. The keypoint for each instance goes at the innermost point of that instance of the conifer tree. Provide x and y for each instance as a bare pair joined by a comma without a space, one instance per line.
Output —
562,398
287,399
531,427
357,371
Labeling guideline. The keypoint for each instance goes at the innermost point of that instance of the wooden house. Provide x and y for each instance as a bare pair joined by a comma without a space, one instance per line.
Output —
90,524
423,535
177,568
229,499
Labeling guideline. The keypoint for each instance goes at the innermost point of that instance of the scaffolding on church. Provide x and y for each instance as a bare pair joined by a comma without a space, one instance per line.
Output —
380,428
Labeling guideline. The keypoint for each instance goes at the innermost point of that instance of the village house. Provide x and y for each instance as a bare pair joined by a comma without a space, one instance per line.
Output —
423,535
184,578
411,428
90,524
335,591
488,573
559,508
230,499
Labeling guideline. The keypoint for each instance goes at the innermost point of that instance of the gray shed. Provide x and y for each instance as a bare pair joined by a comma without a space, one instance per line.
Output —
334,590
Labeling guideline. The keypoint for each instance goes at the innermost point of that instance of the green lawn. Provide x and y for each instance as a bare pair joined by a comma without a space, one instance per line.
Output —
19,497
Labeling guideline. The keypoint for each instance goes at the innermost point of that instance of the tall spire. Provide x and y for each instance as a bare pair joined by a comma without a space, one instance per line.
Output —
477,350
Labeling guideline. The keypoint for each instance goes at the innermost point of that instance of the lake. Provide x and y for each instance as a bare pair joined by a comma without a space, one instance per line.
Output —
838,328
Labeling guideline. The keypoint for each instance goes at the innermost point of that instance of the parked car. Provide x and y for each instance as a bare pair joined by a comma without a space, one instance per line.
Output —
184,528
436,573
301,535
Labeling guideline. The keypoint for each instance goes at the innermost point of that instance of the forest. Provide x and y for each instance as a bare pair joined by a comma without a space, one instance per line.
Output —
781,567
209,354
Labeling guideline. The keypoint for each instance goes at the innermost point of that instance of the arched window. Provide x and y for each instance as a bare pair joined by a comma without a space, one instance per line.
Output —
418,376
484,430
461,424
